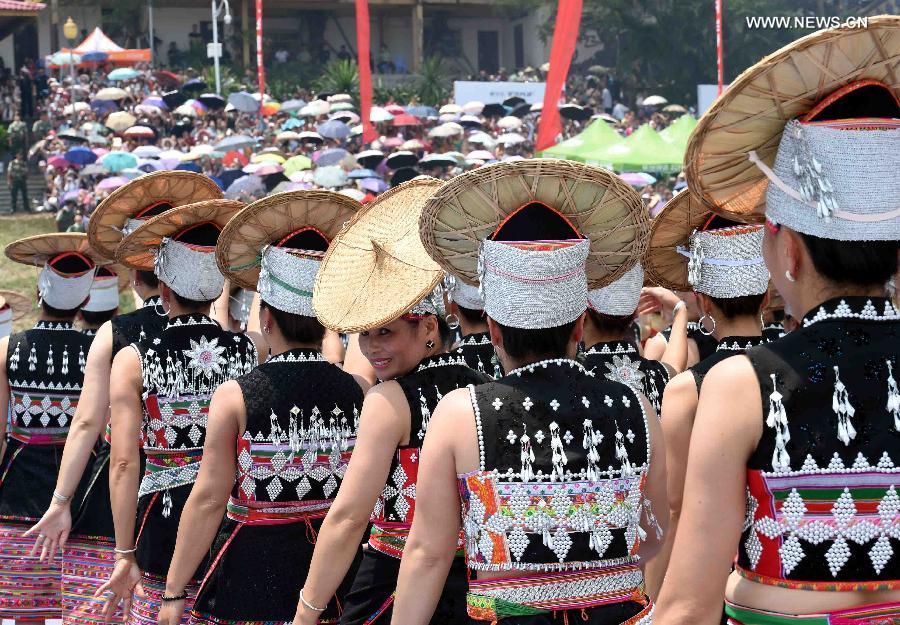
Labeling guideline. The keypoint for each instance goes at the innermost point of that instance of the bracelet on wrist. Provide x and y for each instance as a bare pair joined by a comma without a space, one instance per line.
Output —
309,605
169,598
678,306
124,552
59,498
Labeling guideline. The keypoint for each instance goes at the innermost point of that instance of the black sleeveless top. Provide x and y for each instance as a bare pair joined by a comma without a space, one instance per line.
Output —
566,453
727,347
137,325
620,361
302,418
773,331
823,506
706,344
478,352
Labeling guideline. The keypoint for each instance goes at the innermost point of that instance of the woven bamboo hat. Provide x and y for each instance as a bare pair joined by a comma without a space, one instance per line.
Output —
785,85
138,249
18,303
270,220
37,250
672,228
147,196
602,207
376,269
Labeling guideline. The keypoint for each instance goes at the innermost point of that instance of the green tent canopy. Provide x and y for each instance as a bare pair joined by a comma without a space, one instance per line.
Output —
598,135
644,150
680,131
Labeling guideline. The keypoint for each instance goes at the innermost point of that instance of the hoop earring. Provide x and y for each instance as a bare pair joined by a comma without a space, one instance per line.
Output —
452,321
159,306
429,344
703,328
267,329
790,277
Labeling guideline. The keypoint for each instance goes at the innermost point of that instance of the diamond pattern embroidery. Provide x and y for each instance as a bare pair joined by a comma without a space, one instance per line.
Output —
399,491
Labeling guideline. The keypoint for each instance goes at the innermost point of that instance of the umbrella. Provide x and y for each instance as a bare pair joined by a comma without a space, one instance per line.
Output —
473,108
309,136
139,132
398,160
339,97
442,160
674,108
147,151
234,159
212,101
597,69
70,195
448,117
218,182
287,135
392,142
359,174
481,138
451,109
94,169
268,157
378,114
235,142
228,176
104,106
394,109
114,182
65,58
301,176
607,118
422,111
269,108
575,112
348,117
375,185
638,179
263,169
356,194
194,85
513,101
292,105
654,100
413,144
469,121
117,161
331,157
330,177
494,109
511,138
522,110
100,151
297,163
404,174
342,106
72,135
171,155
509,123
120,120
315,109
189,167
293,123
150,165
480,155
243,102
58,161
450,129
80,155
191,108
123,73
405,120
333,129
111,93
247,188
78,107
370,158
174,99
167,79
536,107
148,109
182,127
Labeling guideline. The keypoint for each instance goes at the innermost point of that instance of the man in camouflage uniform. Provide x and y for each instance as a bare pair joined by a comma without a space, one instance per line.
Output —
41,127
17,179
17,134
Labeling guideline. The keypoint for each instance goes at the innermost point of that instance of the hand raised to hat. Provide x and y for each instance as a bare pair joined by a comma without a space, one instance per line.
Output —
657,299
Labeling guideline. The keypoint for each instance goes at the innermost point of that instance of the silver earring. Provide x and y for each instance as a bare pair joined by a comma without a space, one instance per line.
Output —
159,307
429,344
790,277
452,321
703,328
267,329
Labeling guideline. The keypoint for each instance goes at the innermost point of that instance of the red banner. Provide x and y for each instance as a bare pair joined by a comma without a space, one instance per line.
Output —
260,66
565,36
719,54
365,70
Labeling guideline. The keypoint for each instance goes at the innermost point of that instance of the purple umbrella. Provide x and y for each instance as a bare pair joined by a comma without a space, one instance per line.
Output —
156,101
70,195
375,185
333,129
80,155
246,188
637,179
114,182
331,157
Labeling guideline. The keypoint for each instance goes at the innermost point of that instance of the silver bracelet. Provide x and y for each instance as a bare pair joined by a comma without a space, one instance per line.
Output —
61,498
124,552
309,605
678,306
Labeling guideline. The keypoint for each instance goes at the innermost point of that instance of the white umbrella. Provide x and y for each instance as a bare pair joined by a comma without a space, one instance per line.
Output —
288,135
111,93
186,110
78,107
310,135
147,109
451,109
378,115
446,130
654,100
537,106
511,138
473,108
330,177
147,151
509,122
482,138
243,102
315,109
356,194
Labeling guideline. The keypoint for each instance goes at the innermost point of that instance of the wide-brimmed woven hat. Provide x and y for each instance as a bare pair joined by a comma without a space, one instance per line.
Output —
138,249
672,228
18,303
753,112
271,219
162,189
602,207
376,269
38,249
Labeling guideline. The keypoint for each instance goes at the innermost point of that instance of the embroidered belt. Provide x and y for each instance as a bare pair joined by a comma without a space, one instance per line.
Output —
167,469
39,436
874,614
275,513
389,538
495,599
107,434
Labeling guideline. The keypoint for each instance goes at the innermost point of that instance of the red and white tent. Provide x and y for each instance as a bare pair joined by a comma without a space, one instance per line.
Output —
98,41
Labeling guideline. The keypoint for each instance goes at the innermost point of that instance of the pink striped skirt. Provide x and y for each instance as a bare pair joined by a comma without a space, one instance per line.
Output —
29,589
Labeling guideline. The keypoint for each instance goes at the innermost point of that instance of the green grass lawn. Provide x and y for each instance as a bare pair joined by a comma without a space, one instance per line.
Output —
23,278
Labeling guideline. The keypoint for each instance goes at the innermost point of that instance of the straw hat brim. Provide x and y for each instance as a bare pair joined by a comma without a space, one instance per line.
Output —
754,110
138,249
272,218
470,207
38,249
671,228
18,303
175,187
123,275
376,269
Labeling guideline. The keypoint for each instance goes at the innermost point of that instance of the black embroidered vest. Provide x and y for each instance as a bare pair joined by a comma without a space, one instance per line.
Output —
727,347
619,361
478,353
137,325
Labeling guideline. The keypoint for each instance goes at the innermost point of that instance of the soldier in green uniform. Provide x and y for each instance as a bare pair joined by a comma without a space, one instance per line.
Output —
17,179
41,127
18,134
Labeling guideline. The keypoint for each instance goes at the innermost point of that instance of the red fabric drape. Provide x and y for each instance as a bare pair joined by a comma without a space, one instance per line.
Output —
720,61
260,66
565,36
365,70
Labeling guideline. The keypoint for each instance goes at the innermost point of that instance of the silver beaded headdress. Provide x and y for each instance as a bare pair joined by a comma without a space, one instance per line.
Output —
239,306
104,294
621,297
6,321
286,280
463,294
189,270
727,262
533,286
836,181
64,292
431,304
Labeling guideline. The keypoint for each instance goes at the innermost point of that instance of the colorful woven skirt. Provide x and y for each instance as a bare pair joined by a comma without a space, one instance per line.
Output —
880,614
87,563
144,610
29,589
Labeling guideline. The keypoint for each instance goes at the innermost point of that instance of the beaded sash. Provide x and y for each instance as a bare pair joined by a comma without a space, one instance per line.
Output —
275,513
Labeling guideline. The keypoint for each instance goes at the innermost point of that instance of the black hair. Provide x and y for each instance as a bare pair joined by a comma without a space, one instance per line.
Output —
471,315
97,318
853,262
191,304
610,324
538,344
50,311
149,278
444,332
743,306
296,328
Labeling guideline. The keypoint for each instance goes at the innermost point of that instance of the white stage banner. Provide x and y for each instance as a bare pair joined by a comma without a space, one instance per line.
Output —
488,92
